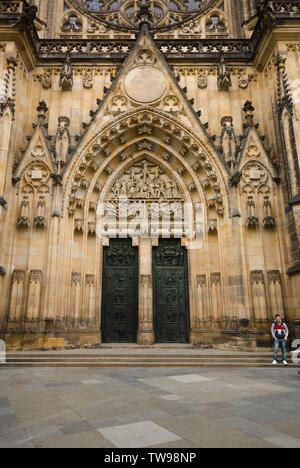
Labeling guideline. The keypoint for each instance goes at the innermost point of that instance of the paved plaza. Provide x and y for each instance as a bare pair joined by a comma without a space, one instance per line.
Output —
157,407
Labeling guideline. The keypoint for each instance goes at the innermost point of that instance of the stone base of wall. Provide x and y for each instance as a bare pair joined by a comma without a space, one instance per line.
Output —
239,340
232,340
32,341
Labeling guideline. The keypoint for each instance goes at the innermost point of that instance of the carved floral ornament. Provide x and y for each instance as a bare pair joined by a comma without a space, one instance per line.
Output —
254,176
145,57
253,151
37,174
38,152
118,104
171,104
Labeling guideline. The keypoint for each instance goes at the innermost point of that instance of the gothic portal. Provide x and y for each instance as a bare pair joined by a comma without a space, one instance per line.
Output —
149,171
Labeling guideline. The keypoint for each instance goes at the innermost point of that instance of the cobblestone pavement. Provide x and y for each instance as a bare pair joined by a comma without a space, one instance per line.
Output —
178,408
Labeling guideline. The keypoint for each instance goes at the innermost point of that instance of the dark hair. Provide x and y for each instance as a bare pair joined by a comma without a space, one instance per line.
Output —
278,315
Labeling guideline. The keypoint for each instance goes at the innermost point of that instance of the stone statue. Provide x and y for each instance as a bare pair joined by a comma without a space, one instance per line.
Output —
224,78
66,77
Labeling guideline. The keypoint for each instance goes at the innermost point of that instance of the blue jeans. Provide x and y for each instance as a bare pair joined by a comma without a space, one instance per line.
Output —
277,345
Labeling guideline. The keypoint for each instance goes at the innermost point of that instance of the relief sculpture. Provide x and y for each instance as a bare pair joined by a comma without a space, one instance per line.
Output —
145,181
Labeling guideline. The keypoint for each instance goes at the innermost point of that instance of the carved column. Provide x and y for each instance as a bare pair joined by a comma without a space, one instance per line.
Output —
6,120
52,309
236,258
90,299
145,329
275,289
216,298
259,295
291,153
76,283
17,295
34,294
202,301
7,109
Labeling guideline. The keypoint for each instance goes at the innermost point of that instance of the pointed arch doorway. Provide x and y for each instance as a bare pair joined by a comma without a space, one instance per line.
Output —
120,292
170,292
147,187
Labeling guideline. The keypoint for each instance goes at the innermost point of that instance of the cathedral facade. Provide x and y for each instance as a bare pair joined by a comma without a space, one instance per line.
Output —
149,172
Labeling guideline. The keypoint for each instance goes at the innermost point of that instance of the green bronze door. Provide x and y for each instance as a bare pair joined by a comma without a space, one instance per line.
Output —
171,297
120,292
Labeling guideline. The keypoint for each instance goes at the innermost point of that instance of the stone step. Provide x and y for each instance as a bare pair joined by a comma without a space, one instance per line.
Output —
137,359
84,355
136,346
110,364
140,357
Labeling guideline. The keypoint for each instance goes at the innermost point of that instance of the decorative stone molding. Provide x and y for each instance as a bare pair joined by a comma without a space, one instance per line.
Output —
243,81
252,221
76,279
92,227
202,81
257,277
145,181
87,81
274,277
18,276
212,226
201,281
145,281
36,276
215,279
78,225
90,280
145,57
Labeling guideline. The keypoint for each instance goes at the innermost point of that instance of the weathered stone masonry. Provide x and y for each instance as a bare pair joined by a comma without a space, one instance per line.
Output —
155,102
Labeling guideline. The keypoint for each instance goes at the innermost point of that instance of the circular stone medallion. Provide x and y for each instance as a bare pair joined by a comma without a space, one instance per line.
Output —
145,84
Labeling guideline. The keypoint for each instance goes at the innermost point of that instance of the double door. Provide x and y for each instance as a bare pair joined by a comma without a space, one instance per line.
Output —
120,292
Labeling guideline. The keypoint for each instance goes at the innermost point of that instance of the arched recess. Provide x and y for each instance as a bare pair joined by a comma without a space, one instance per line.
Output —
140,135
175,143
259,198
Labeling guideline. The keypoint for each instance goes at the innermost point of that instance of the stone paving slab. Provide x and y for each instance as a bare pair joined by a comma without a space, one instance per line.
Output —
159,408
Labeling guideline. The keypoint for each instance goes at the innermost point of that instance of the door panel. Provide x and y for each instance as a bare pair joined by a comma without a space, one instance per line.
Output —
120,292
171,298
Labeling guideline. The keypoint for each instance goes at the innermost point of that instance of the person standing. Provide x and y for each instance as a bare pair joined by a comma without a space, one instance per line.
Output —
280,334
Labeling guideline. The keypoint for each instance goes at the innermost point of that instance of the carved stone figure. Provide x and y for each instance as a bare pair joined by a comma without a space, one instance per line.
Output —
46,80
66,77
62,141
224,78
87,81
145,181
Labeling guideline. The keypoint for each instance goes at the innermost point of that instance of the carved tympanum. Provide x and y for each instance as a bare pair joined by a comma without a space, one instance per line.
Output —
145,181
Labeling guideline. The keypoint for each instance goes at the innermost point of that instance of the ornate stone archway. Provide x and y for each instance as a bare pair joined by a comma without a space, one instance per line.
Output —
157,159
